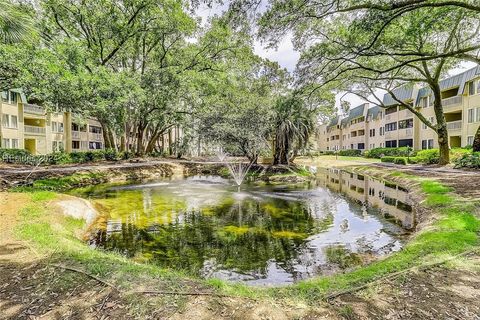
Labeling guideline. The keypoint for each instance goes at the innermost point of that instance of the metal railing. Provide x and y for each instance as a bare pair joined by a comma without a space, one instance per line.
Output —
33,109
34,130
454,125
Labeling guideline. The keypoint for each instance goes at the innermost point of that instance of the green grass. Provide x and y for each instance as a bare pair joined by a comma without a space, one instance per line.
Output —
64,183
455,230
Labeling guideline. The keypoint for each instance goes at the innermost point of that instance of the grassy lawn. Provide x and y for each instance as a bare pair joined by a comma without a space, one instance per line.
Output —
455,229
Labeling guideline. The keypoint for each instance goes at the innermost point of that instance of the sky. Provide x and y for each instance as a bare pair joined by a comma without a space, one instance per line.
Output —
287,57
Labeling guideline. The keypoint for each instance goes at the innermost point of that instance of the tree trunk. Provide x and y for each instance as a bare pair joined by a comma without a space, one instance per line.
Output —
151,142
281,152
106,136
170,142
140,134
476,141
442,131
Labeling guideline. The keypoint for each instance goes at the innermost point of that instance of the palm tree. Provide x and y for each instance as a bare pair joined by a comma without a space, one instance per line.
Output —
15,25
294,125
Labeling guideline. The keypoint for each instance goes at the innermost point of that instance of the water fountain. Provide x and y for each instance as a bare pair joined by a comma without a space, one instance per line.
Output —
238,170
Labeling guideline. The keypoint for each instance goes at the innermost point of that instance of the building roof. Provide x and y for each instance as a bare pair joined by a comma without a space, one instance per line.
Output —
357,111
333,122
373,112
459,80
404,93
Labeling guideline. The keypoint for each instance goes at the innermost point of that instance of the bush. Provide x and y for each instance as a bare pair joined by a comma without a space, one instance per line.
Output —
457,153
329,153
59,158
110,155
387,159
400,160
470,160
350,153
391,152
9,155
431,156
125,155
412,160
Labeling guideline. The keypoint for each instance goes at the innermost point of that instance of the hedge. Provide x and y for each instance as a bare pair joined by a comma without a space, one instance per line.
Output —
350,153
389,152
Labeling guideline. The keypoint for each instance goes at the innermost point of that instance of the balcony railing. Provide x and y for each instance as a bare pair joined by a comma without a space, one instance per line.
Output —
33,109
453,101
76,134
34,130
409,132
454,125
96,136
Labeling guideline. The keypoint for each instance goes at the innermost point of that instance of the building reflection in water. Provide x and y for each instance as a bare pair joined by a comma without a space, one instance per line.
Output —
392,200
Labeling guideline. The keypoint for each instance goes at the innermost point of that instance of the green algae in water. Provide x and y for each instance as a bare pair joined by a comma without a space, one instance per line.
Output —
259,235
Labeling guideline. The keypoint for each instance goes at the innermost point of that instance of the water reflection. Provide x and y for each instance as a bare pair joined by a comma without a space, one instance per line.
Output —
261,235
391,199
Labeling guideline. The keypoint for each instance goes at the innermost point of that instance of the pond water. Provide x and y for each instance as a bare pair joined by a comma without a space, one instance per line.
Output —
260,235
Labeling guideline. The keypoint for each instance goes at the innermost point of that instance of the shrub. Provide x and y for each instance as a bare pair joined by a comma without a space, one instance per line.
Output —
431,156
470,160
457,153
350,153
10,155
59,158
125,155
387,159
412,160
110,155
329,153
400,160
391,152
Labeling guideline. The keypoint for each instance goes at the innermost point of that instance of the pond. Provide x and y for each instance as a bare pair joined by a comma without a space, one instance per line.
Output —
260,235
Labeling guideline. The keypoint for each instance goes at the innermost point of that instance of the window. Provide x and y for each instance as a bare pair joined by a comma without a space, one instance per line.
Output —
427,144
4,96
471,88
424,102
470,140
361,146
372,132
75,144
404,124
13,122
478,86
6,121
478,112
471,113
391,144
75,127
54,128
381,131
391,126
95,145
6,143
391,110
95,129
14,143
405,143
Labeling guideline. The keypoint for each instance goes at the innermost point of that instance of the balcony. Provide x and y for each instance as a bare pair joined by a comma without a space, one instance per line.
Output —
98,136
454,125
76,134
452,102
33,109
34,130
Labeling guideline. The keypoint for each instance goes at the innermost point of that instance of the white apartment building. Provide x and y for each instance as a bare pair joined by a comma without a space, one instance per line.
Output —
391,126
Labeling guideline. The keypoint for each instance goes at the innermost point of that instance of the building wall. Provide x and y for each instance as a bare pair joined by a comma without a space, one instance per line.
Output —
41,132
